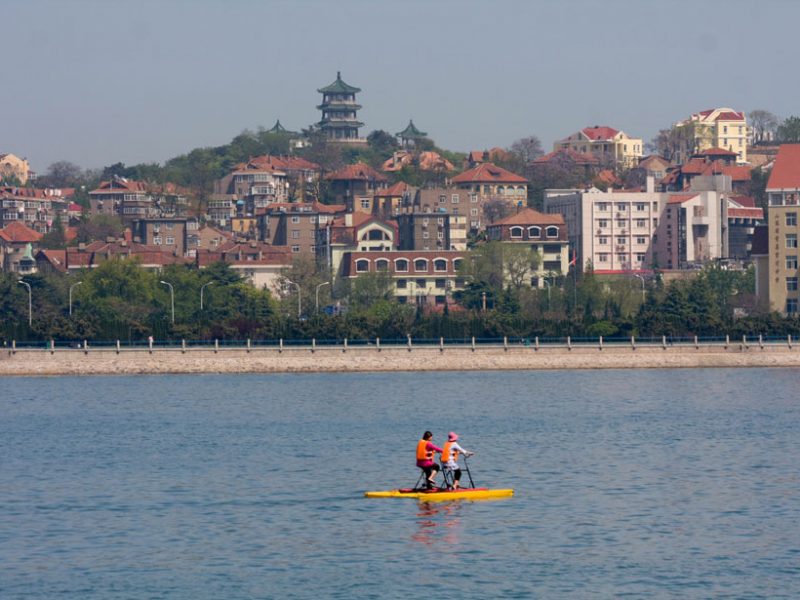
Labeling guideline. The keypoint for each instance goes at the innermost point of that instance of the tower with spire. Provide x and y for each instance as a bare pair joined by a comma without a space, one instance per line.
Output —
340,112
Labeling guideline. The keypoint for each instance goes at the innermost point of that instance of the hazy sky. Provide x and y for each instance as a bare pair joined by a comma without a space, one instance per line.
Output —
97,82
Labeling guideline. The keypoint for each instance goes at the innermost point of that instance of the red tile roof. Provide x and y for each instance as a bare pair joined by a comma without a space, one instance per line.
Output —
599,133
18,233
746,213
359,171
488,173
744,201
785,173
121,184
529,216
716,151
681,198
479,156
398,189
730,116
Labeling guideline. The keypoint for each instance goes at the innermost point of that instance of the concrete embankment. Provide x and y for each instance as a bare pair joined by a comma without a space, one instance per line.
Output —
109,361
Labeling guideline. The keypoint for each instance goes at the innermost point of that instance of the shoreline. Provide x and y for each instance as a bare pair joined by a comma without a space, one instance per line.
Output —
364,359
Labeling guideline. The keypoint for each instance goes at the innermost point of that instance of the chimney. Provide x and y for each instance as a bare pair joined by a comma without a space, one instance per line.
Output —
651,184
348,219
81,247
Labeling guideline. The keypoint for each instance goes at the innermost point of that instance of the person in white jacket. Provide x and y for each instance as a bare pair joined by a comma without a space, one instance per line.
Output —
450,454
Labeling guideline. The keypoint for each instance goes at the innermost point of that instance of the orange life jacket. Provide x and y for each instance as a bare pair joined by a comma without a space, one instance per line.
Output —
422,451
446,453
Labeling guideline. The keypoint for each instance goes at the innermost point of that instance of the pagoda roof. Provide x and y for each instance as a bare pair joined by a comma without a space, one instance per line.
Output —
277,128
411,131
338,87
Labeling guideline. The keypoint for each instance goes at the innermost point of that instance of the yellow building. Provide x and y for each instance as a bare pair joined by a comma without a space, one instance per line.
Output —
714,128
605,143
14,166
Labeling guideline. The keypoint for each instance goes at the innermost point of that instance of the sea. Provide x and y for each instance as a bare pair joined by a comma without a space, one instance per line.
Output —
628,484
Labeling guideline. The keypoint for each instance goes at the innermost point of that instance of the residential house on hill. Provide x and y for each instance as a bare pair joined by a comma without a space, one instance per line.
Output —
353,232
260,263
608,144
494,192
36,208
714,128
477,157
293,225
12,166
14,239
89,256
710,162
355,186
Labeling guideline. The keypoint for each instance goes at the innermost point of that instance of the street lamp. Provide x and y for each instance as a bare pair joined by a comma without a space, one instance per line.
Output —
203,287
171,298
30,301
70,296
299,306
316,295
641,278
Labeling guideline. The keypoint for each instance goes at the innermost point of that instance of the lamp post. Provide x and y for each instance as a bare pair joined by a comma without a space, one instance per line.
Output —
202,288
70,295
640,278
30,301
299,306
316,295
171,298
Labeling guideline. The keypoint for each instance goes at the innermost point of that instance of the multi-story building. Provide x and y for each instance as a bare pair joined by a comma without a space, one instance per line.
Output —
634,231
170,234
353,232
714,128
777,260
294,225
710,162
355,186
221,208
494,193
259,263
608,144
14,167
544,234
15,238
423,231
339,109
426,278
133,200
36,208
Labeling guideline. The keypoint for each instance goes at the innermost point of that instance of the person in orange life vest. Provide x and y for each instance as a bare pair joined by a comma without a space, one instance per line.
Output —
425,453
450,457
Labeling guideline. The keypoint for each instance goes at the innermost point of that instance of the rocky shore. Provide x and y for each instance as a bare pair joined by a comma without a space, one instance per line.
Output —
109,361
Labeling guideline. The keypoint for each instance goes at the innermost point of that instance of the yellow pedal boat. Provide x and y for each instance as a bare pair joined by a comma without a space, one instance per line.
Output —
440,495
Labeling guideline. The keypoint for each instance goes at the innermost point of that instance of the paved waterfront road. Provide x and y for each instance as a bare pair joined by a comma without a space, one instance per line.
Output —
645,484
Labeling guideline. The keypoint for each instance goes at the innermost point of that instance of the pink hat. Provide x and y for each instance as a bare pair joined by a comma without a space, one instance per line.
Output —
452,437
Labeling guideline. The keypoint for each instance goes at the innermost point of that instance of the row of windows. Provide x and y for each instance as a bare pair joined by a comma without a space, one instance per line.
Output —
603,257
401,265
603,223
314,219
402,284
534,231
170,241
603,241
623,206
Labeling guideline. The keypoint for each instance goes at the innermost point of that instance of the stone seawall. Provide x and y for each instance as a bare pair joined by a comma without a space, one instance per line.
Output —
389,358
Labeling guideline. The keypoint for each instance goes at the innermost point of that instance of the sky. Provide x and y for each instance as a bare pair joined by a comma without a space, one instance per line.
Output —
97,82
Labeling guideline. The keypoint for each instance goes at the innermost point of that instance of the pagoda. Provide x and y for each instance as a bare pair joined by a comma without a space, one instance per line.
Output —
410,135
339,112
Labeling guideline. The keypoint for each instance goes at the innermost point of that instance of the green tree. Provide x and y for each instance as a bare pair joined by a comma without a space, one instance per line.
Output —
789,131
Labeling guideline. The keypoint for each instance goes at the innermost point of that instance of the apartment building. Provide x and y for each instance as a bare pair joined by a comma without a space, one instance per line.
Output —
170,234
294,225
356,187
35,208
714,128
493,193
777,260
14,167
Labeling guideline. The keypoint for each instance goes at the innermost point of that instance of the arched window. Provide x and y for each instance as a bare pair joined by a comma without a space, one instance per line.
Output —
516,232
381,264
440,264
421,265
362,265
376,234
552,231
534,232
401,265
457,264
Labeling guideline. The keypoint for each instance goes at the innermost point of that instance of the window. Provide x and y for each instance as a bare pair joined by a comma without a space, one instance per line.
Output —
170,241
455,211
473,198
421,283
641,222
791,305
295,219
401,265
641,240
362,265
602,241
602,206
552,232
473,212
454,198
791,262
515,232
602,257
365,203
621,240
602,223
641,207
169,226
440,235
440,284
421,264
534,232
440,264
457,263
402,284
425,235
157,240
622,206
442,199
639,257
381,264
621,224
295,234
622,258
791,240
791,284
791,219
295,248
425,221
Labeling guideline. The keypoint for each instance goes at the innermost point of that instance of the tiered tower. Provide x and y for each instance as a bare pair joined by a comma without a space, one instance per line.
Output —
339,112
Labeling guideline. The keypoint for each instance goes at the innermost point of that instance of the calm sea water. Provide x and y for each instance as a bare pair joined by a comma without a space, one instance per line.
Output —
641,484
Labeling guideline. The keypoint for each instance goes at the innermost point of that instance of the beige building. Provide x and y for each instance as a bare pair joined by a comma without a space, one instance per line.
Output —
14,166
545,234
606,143
777,261
493,193
715,128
